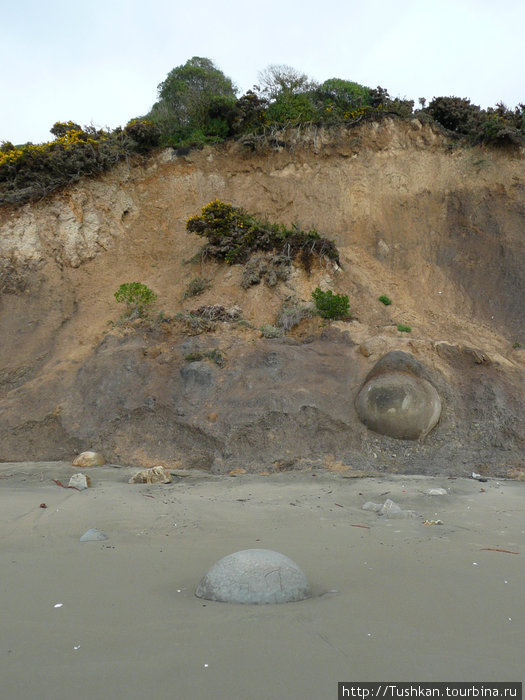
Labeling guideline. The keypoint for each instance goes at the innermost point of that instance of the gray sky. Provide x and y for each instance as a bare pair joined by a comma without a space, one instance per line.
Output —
100,61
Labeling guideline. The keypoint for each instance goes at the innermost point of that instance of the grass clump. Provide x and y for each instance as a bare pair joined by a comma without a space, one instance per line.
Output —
197,286
292,312
330,305
385,300
268,267
403,329
269,331
215,355
205,318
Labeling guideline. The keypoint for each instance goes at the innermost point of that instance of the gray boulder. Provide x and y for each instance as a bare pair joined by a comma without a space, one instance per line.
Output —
254,576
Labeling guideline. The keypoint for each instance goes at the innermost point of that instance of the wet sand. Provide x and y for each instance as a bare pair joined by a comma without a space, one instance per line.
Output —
413,602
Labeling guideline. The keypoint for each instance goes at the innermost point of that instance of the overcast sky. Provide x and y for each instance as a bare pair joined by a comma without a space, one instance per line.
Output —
100,61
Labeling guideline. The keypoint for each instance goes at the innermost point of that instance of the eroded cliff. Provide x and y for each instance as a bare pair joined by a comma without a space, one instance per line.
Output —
439,229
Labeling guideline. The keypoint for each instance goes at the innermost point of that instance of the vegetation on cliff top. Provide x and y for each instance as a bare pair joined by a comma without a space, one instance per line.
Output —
197,104
32,171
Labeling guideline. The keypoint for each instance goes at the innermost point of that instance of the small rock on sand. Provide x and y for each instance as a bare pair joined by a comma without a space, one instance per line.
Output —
154,475
389,509
93,535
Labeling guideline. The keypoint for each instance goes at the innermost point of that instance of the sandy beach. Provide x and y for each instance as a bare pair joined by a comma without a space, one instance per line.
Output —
393,599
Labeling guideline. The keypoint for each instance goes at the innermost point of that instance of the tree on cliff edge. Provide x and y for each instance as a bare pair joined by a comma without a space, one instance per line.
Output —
196,101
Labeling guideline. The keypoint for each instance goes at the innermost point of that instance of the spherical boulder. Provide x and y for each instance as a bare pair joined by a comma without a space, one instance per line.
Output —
255,576
397,400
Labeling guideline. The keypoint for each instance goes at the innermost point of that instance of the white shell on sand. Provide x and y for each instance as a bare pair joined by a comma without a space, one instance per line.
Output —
93,535
254,576
389,509
89,459
80,481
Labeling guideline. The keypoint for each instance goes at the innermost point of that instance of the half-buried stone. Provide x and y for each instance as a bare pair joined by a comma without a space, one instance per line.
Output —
255,576
397,398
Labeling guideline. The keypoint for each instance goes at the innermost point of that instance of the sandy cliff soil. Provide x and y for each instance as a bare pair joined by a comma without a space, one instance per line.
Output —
439,229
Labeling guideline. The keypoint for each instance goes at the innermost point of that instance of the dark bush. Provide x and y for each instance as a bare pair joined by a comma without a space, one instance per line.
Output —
250,112
455,113
144,133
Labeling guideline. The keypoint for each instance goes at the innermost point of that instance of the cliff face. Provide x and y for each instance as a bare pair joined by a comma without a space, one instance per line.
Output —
438,229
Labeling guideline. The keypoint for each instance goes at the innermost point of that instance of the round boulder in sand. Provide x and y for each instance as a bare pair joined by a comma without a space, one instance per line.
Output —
89,459
397,400
254,576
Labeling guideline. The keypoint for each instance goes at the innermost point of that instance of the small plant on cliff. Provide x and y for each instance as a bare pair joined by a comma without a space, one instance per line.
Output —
330,305
292,312
195,287
385,300
269,331
215,355
137,297
403,329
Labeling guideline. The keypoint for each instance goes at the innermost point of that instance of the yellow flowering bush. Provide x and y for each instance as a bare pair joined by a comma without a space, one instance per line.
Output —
34,170
234,235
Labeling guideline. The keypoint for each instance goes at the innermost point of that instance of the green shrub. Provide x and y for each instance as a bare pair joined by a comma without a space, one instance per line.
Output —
291,108
330,305
404,329
385,300
137,297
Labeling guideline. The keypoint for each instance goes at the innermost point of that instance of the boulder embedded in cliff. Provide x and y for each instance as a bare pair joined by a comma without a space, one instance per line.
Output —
89,459
397,399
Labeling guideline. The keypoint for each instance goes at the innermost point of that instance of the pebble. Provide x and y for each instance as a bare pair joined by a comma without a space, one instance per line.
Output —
93,535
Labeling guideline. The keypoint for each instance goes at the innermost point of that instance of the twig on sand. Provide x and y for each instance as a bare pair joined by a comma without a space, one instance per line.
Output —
59,483
495,549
